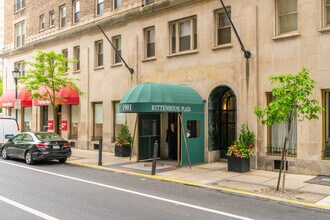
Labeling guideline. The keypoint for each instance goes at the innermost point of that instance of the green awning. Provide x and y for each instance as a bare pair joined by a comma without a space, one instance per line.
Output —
158,97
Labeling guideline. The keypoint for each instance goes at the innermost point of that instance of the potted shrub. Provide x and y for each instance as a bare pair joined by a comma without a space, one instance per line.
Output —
240,152
123,142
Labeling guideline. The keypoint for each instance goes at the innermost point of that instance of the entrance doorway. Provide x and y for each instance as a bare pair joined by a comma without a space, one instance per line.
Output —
149,132
174,149
222,119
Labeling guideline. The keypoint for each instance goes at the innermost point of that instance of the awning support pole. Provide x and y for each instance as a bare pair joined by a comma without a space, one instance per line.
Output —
185,140
132,144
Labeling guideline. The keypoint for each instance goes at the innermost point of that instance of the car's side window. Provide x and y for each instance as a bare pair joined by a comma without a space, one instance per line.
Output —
18,137
27,138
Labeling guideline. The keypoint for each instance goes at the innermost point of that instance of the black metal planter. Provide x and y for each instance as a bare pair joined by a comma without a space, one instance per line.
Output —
237,164
124,151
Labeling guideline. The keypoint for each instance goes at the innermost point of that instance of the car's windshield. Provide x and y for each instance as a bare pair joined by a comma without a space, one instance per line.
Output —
48,137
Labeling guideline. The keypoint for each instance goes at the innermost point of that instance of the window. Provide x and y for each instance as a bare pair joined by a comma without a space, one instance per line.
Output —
19,4
21,67
51,19
98,120
116,4
76,11
27,138
327,12
119,119
277,134
223,27
117,43
99,53
183,35
18,137
20,33
76,51
326,124
149,39
193,129
149,1
27,118
99,7
62,16
73,122
65,54
287,16
42,22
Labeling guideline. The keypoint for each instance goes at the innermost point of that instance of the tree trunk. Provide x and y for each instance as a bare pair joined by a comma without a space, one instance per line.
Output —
281,167
283,160
285,150
55,121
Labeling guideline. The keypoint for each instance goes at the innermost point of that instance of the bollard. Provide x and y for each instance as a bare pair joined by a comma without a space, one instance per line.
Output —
154,159
100,152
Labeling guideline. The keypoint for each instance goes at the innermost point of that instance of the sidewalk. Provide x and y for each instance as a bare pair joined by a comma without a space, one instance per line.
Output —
313,191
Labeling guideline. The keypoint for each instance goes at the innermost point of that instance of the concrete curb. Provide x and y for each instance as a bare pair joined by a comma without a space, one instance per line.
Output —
236,191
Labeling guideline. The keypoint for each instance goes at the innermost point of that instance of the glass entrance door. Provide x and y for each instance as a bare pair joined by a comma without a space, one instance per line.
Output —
149,132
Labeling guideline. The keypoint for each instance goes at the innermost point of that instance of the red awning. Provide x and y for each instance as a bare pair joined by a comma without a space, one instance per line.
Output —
70,97
7,100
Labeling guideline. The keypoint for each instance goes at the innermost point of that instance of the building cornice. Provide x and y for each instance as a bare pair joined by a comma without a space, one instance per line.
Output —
74,31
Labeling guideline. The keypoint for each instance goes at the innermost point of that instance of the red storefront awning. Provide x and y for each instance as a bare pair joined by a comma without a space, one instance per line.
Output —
7,100
70,97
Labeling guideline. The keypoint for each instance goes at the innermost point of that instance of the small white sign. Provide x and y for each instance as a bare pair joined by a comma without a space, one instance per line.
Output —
120,118
17,104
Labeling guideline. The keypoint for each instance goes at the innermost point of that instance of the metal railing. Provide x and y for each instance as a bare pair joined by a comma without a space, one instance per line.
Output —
19,5
277,151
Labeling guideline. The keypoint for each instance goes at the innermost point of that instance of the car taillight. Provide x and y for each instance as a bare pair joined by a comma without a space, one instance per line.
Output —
17,126
42,145
67,145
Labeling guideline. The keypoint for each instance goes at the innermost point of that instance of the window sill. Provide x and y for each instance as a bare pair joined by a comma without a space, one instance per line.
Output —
148,59
286,36
19,10
223,46
116,64
53,26
325,29
182,53
76,71
99,68
42,30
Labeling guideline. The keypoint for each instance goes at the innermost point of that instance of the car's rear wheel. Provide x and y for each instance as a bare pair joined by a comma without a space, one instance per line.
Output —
4,153
62,160
28,158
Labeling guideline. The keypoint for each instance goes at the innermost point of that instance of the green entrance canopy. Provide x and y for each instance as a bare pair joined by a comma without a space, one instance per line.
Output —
158,97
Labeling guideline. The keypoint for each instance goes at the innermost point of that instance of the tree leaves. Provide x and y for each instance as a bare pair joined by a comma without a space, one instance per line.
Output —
292,99
47,75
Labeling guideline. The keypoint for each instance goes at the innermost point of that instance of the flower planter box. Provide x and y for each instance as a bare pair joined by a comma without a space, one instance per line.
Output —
124,151
237,164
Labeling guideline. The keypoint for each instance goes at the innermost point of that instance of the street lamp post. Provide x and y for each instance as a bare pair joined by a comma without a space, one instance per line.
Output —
16,74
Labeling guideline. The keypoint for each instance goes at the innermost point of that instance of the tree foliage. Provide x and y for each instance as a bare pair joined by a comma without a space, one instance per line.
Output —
48,71
292,100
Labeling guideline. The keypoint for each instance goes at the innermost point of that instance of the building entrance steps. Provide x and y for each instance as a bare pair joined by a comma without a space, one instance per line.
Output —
300,189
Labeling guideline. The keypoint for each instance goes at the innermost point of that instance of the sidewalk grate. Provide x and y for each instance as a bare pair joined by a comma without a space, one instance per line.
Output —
320,180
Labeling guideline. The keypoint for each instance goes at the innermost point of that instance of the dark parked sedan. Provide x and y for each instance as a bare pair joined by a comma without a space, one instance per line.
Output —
36,146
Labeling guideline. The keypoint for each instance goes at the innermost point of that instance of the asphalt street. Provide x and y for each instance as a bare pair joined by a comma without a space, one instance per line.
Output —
51,190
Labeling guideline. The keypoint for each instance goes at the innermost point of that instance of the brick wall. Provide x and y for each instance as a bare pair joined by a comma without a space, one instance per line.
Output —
35,8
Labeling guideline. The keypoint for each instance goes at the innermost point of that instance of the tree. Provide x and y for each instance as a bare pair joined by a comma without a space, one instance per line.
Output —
291,102
46,76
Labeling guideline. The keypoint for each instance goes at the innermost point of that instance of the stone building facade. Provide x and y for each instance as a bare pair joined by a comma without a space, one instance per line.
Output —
181,42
